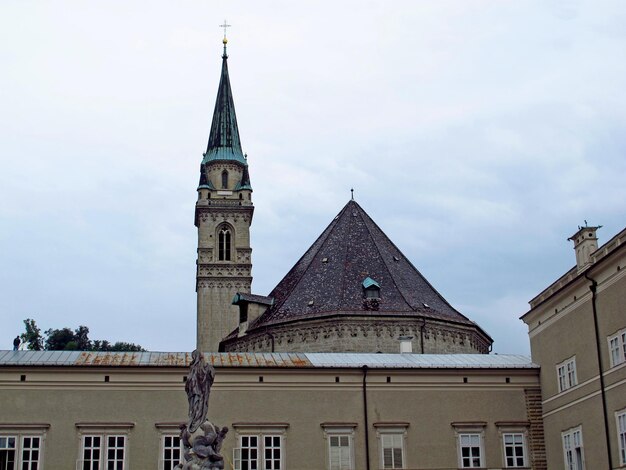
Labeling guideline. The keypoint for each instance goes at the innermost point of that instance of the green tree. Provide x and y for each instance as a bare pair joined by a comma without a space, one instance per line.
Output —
122,346
60,340
64,339
32,336
101,345
81,337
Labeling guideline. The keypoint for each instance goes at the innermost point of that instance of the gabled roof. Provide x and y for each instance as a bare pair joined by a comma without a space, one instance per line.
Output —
224,142
328,279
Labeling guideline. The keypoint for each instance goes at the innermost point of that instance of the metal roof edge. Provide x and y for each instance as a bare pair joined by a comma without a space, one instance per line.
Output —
273,360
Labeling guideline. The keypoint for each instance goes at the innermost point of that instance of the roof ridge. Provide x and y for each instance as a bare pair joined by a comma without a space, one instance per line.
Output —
345,259
381,255
323,236
416,270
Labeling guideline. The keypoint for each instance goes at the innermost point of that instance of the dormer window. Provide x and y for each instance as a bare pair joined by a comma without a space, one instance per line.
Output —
223,249
224,179
371,288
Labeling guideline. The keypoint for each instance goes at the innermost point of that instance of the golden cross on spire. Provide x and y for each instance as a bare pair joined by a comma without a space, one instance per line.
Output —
225,25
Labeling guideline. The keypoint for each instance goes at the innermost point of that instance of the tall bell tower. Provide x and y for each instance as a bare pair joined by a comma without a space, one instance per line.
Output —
223,216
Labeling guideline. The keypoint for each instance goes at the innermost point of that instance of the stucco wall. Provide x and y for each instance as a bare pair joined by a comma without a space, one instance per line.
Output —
429,401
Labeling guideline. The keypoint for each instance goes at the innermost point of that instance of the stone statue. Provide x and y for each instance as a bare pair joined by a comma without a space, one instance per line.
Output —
201,439
198,388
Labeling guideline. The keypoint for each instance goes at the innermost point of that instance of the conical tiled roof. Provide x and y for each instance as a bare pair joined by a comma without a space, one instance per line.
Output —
328,279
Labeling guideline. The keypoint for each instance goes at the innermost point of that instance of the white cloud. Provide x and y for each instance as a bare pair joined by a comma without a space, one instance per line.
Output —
478,134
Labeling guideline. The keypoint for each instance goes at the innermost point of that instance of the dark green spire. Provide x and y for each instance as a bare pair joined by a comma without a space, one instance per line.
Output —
224,143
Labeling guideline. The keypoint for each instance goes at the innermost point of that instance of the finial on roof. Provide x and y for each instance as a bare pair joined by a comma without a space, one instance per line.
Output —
352,193
225,41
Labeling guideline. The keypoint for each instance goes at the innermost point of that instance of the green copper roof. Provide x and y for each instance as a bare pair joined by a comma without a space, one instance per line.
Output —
369,282
245,180
224,142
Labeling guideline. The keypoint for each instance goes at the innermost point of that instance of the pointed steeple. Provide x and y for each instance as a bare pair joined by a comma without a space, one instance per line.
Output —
224,142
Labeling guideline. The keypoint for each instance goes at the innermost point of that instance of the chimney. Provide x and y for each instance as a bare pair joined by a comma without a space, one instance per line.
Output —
585,244
406,344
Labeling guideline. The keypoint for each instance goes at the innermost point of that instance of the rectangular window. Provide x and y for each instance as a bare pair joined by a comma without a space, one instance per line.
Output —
171,456
340,447
20,452
340,452
470,450
573,449
392,453
566,372
115,452
621,436
8,449
514,450
258,452
103,452
271,450
617,348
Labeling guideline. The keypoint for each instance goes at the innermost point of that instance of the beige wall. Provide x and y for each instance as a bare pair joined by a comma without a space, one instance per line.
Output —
561,325
304,398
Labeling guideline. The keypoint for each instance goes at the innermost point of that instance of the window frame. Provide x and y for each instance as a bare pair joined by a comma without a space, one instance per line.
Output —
566,374
332,430
169,430
620,427
396,430
225,237
570,434
514,429
104,431
261,431
620,350
24,431
470,429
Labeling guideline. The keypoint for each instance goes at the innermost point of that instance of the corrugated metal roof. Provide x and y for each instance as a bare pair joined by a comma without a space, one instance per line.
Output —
288,360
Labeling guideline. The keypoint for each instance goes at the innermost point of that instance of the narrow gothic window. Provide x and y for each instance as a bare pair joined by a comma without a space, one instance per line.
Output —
224,179
224,245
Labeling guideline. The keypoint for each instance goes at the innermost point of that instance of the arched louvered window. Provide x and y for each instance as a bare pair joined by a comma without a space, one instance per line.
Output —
224,242
224,179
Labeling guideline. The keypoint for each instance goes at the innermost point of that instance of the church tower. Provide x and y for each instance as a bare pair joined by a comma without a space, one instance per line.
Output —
223,216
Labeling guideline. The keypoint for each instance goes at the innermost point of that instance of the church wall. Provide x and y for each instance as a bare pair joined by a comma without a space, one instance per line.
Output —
358,335
217,280
426,403
214,173
219,317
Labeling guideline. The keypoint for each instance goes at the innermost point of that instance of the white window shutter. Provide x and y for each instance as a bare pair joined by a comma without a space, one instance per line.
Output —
237,458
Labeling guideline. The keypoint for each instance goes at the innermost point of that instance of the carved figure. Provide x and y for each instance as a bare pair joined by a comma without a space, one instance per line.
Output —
201,439
198,388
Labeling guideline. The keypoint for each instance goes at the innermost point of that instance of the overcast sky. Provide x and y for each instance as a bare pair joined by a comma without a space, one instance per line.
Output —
477,134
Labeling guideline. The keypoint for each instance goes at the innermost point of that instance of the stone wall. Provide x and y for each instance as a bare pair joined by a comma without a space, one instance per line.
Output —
350,334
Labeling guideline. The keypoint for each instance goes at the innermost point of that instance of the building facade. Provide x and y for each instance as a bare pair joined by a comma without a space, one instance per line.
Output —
577,329
122,411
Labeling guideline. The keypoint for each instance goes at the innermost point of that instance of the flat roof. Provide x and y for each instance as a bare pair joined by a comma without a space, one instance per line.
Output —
286,360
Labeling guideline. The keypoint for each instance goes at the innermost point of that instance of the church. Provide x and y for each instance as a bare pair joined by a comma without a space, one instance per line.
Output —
353,361
352,291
